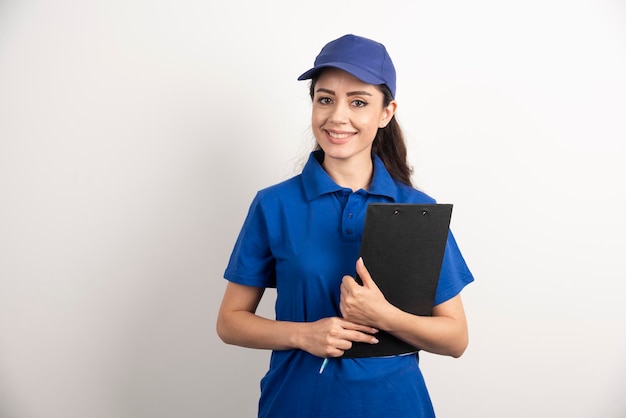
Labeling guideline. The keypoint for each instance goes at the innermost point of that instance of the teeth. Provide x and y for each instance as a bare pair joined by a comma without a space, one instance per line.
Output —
338,136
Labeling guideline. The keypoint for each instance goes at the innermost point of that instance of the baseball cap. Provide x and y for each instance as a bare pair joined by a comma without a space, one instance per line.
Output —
364,58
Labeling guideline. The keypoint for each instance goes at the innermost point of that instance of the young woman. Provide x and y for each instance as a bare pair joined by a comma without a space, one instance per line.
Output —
302,237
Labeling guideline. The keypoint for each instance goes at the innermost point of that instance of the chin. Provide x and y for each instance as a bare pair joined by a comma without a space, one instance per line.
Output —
336,151
345,154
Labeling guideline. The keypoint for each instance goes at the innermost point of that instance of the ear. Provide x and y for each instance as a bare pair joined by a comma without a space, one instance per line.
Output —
388,113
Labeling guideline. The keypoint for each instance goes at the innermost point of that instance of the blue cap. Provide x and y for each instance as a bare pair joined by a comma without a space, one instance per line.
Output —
365,59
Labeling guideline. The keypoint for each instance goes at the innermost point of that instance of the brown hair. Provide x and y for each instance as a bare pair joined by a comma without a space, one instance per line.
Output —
389,143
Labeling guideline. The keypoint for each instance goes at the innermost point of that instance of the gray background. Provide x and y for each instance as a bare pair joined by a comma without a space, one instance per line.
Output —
134,134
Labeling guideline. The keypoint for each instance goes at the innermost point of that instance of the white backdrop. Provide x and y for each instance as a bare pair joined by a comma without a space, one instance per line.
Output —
134,134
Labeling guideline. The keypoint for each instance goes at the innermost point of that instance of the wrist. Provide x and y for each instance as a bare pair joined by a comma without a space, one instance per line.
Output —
297,334
387,318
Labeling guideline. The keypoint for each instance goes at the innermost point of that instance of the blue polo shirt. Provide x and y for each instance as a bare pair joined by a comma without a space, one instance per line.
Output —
302,236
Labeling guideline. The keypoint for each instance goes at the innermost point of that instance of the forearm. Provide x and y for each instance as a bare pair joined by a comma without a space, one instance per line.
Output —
247,329
436,334
445,332
238,324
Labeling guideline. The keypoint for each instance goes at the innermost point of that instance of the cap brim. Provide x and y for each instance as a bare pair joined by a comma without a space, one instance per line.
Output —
360,73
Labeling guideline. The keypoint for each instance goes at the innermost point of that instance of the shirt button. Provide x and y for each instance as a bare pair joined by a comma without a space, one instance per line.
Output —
350,216
349,231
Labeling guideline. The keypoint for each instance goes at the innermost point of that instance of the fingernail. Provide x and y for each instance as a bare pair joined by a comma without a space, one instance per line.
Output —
374,340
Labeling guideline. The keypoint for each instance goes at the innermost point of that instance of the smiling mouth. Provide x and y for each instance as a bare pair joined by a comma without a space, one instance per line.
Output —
336,135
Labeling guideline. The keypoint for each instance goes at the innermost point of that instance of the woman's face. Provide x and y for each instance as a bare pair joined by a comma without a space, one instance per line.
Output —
346,115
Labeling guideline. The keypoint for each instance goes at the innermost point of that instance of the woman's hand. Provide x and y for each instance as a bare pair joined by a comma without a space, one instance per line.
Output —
331,337
445,332
362,304
238,324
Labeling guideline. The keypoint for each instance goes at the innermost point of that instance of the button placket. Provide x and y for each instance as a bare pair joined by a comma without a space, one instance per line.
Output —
349,227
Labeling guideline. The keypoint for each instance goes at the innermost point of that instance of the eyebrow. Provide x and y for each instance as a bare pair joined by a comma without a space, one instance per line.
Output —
351,93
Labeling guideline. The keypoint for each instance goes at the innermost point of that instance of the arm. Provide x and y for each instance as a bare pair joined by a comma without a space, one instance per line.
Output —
445,332
238,324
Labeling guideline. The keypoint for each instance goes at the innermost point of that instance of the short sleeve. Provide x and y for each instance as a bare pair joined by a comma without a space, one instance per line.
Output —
455,274
251,262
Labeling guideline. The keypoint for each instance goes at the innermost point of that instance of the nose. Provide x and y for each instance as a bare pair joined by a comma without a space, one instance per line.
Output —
339,114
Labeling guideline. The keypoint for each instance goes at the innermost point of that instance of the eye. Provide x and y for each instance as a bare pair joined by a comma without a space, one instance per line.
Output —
324,100
359,103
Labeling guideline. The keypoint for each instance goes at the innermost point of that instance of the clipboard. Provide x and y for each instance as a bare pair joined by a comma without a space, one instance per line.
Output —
403,247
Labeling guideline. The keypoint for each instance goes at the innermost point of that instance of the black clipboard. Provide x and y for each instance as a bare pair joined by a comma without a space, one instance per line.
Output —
403,247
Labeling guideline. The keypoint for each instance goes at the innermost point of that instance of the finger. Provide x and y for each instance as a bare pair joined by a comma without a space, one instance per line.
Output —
347,325
362,337
347,284
345,340
364,274
347,280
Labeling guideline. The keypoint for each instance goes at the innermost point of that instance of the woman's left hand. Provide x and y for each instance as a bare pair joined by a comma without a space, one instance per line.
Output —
445,332
365,304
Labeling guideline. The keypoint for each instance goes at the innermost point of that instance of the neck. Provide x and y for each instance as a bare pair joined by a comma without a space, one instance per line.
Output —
354,175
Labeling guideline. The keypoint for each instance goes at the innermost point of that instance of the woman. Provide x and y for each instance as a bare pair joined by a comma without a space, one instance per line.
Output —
302,236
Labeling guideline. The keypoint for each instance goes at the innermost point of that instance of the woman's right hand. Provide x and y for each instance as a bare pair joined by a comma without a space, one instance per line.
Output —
331,337
238,324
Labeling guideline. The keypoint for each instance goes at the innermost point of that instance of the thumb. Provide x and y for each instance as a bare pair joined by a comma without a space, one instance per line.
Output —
364,274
